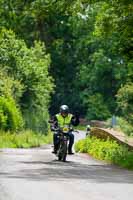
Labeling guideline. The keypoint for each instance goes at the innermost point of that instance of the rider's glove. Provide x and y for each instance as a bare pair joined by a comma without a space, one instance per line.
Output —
52,128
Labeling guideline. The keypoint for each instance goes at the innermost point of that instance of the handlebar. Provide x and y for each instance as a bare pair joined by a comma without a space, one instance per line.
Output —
59,129
75,131
50,121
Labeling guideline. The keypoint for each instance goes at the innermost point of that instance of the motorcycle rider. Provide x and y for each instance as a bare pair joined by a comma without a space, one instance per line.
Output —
61,119
88,130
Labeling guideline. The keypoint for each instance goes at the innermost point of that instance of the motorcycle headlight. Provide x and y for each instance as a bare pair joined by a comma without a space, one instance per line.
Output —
65,129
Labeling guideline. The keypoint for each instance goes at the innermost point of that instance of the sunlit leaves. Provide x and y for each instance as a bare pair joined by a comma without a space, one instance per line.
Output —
28,67
125,101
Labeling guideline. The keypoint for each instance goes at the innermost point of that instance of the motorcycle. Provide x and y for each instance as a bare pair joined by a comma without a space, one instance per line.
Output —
63,136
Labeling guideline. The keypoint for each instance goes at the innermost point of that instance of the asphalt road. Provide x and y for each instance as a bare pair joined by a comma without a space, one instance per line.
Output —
35,174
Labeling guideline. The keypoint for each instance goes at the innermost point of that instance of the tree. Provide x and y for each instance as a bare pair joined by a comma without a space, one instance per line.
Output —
125,101
90,43
29,66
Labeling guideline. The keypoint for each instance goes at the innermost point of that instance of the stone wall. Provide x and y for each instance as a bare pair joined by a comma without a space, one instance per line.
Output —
113,135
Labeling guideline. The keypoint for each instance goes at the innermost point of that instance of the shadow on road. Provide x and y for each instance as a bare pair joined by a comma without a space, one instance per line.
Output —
59,171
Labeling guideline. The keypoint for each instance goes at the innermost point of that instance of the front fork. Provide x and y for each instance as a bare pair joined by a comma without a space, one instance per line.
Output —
62,149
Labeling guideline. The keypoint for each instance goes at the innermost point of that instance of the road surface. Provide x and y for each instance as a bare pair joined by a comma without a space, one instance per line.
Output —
35,174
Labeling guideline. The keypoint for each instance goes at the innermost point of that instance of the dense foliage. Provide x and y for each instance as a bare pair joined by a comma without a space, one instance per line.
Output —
10,116
25,78
125,101
90,44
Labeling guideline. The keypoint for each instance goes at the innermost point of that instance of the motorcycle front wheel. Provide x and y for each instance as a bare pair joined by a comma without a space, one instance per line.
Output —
62,151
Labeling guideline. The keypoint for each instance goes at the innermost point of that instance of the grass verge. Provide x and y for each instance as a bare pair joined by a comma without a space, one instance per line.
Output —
107,150
25,139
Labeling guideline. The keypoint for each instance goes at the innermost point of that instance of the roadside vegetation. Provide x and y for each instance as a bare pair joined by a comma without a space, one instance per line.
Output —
108,150
122,125
24,139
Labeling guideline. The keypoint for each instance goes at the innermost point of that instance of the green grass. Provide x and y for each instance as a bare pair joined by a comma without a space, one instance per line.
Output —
107,150
25,139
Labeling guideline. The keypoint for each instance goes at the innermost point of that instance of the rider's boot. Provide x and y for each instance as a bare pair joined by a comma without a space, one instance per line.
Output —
70,151
55,149
70,148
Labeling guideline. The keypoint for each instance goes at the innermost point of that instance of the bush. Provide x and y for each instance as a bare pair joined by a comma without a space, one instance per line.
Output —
9,87
122,125
126,127
106,150
125,101
10,116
